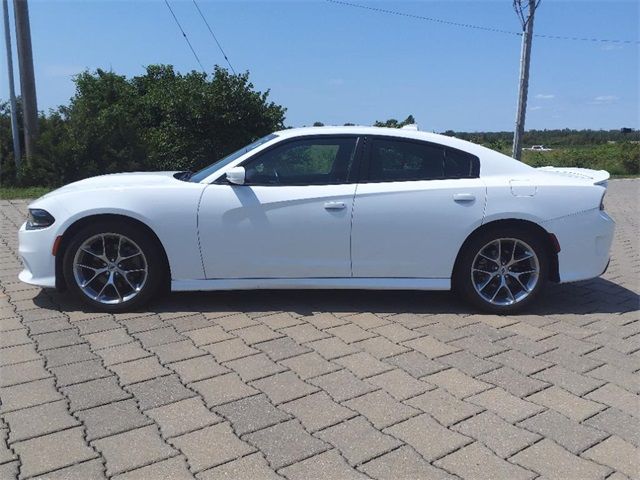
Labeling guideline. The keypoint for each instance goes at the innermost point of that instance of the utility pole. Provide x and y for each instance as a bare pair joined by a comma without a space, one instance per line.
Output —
525,9
17,154
27,78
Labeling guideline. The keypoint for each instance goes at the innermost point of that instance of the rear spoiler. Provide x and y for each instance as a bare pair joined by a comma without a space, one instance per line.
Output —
598,177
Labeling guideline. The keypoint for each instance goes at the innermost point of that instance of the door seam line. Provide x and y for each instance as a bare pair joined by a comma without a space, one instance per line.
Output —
353,207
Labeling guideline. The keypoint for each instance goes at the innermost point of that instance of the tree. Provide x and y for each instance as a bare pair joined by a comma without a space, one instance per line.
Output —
161,120
190,121
318,124
393,123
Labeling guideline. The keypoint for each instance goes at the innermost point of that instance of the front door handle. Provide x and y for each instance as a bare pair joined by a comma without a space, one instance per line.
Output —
463,197
334,206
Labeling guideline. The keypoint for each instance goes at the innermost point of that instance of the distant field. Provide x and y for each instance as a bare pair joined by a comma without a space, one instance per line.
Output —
618,159
617,151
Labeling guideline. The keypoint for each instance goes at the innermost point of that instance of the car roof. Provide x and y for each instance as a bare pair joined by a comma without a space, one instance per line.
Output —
383,131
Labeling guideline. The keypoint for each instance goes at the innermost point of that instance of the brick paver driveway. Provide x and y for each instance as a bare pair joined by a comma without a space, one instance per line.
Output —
324,384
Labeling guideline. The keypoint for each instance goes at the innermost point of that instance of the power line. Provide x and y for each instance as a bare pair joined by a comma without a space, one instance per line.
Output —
214,37
471,26
421,17
185,36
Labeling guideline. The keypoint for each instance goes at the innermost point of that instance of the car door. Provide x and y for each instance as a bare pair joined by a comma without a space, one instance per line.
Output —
416,205
291,218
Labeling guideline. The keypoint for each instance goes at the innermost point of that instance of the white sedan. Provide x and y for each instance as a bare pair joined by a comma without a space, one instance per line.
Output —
330,207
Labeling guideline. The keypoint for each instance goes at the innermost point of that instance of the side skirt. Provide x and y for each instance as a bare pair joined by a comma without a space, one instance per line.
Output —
312,283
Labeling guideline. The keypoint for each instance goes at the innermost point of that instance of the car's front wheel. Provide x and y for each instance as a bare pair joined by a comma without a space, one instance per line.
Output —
113,266
502,270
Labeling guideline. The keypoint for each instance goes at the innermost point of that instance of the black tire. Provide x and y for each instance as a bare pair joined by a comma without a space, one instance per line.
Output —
463,279
152,254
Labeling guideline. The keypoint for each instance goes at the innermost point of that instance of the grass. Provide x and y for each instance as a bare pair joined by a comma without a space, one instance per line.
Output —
12,193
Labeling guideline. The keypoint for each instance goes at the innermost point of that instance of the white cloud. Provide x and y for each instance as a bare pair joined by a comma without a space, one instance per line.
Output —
545,96
537,107
604,100
611,47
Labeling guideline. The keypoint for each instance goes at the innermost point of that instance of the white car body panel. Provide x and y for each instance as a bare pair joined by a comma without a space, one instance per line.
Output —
566,204
276,232
166,205
397,224
585,239
389,235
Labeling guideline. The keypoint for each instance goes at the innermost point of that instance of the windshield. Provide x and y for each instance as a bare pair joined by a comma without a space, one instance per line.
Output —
205,172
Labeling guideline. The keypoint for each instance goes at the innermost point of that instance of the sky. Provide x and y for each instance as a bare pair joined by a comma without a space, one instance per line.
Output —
336,63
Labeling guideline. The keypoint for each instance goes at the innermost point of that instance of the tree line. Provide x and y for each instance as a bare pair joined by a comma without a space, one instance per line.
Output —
553,138
165,120
161,120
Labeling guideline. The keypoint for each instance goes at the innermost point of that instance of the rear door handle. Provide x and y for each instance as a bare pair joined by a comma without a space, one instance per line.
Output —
334,206
464,197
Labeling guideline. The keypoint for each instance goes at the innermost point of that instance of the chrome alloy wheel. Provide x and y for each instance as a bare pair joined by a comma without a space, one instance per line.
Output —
110,268
505,271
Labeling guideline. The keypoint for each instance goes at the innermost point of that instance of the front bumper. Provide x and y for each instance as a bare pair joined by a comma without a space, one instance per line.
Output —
35,252
585,241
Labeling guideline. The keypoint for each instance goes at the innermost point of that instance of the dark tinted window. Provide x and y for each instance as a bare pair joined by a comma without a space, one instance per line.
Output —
398,160
458,164
313,161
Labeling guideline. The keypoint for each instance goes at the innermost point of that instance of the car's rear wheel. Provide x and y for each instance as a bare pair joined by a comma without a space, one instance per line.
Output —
502,270
113,266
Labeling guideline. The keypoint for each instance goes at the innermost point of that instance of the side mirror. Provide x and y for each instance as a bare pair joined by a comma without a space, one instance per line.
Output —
236,175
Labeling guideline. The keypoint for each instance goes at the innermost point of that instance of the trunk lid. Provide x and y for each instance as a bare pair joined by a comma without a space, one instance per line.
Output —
597,177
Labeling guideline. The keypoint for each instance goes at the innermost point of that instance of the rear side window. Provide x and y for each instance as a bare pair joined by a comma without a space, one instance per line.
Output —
399,160
459,164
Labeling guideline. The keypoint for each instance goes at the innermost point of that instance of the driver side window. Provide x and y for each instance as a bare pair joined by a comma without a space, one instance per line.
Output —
312,161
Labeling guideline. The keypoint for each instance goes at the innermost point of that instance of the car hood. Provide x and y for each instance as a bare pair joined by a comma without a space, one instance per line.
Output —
117,181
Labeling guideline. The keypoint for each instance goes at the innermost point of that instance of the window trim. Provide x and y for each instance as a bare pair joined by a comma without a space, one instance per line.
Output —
366,160
353,175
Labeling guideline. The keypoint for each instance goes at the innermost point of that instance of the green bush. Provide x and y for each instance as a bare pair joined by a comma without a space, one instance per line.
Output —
161,120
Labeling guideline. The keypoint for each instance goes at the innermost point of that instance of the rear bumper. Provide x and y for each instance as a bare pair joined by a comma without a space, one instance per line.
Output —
38,261
585,241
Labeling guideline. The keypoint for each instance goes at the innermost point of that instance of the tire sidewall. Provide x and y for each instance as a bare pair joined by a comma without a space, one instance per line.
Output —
463,284
147,245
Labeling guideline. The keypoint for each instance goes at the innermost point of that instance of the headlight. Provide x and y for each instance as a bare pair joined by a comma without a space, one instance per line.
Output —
39,218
